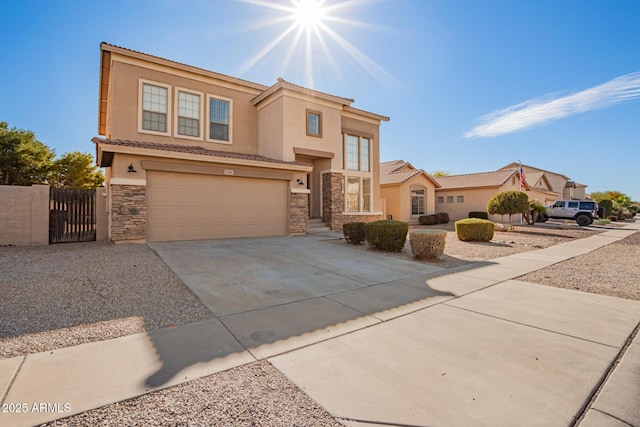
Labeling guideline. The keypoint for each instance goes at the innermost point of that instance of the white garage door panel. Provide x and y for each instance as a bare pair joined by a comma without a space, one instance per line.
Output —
190,206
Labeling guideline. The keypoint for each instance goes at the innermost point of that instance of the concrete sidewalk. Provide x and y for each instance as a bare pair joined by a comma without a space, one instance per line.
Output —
483,349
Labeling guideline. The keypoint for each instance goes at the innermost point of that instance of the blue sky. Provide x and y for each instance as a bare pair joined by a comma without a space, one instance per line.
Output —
469,85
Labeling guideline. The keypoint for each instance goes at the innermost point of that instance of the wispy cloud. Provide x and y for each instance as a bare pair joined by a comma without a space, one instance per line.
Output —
539,111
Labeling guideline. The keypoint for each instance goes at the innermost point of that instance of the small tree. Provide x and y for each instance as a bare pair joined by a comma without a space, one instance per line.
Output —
23,159
440,173
76,170
509,203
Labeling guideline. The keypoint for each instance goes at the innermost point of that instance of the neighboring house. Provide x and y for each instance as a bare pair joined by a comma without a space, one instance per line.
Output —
460,194
408,192
538,187
555,182
194,154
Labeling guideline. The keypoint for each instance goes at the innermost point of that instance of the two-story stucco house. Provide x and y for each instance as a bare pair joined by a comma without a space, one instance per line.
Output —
194,154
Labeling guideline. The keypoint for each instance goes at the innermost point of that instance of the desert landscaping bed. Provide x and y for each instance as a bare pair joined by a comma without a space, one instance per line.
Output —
611,270
458,253
67,294
254,394
251,395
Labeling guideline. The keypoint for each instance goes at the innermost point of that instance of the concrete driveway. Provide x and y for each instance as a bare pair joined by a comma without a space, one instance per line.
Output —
268,290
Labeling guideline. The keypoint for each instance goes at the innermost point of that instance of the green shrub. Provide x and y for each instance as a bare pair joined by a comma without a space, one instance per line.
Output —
479,214
386,235
474,229
353,232
444,218
608,206
427,219
438,217
427,244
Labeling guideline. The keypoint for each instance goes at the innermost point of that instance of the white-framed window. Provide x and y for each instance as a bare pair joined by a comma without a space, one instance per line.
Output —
358,181
314,123
365,163
188,121
460,199
417,201
440,199
154,109
356,153
352,153
449,199
357,194
366,194
219,119
352,194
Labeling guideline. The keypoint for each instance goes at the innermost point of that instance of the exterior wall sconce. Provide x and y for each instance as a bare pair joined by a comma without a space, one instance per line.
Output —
131,169
299,181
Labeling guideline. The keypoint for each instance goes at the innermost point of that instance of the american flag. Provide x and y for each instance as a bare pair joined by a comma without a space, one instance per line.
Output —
523,176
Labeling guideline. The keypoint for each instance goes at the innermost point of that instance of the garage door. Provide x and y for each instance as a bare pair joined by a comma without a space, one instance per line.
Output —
184,206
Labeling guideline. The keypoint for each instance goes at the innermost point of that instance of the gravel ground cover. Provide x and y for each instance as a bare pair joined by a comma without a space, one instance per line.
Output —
611,270
252,395
457,253
66,294
259,395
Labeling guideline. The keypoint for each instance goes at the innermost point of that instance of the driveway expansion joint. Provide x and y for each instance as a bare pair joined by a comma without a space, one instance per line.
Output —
598,389
527,325
13,379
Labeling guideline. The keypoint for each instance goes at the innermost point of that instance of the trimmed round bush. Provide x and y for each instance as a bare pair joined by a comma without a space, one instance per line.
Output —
444,217
427,219
438,218
479,214
427,244
474,229
386,235
353,232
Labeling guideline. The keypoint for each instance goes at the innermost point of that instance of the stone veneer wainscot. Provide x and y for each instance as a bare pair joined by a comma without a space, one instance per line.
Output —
332,200
128,212
299,213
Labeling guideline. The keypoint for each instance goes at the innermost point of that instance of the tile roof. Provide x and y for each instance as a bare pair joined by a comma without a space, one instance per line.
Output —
191,149
482,179
390,172
399,177
533,178
393,165
515,165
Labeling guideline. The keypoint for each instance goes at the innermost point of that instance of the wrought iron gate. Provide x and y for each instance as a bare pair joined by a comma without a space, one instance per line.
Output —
72,215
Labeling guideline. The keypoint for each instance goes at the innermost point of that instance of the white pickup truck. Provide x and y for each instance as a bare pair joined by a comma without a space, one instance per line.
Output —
583,211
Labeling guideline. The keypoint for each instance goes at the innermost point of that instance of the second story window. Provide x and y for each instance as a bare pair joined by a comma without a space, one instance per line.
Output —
155,101
188,114
365,155
353,153
314,123
219,119
356,153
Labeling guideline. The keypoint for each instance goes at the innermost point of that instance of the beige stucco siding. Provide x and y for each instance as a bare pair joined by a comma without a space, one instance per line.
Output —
270,130
295,127
398,198
475,199
123,114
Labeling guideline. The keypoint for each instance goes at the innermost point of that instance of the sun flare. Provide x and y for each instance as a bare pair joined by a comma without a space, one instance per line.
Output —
309,14
312,39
